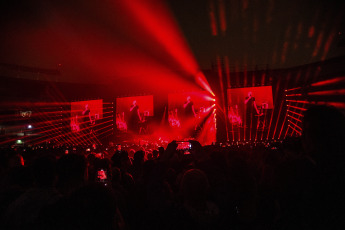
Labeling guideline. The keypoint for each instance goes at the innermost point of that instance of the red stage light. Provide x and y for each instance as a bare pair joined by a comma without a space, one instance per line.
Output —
213,23
295,107
305,102
155,20
293,95
295,118
329,92
295,125
222,16
298,114
311,31
329,82
202,81
293,89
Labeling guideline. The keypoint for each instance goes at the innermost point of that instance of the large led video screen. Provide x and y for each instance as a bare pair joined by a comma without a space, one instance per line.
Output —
85,113
200,99
191,115
201,102
238,102
124,110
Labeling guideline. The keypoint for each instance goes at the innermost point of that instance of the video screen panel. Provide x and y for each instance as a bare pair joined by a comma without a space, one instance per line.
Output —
200,99
186,124
237,97
123,110
84,113
201,102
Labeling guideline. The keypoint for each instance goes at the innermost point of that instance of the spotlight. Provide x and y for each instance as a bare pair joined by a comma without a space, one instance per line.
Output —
29,126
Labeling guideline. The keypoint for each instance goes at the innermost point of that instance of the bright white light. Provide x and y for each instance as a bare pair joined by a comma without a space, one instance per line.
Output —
29,126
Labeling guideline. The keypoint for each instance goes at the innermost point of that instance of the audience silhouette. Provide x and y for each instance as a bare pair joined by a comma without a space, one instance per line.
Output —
296,184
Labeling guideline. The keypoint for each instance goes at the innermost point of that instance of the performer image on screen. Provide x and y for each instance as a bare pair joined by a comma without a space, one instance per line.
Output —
189,116
188,106
252,112
87,120
120,122
134,117
75,127
173,118
234,117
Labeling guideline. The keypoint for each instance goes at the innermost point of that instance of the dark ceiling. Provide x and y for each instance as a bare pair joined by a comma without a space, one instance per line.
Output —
99,41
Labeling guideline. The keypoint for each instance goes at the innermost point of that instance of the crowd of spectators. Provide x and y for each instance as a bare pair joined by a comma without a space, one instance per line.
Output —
298,183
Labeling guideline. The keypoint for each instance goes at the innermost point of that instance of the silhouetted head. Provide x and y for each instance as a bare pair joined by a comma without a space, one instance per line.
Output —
71,170
92,207
44,170
194,185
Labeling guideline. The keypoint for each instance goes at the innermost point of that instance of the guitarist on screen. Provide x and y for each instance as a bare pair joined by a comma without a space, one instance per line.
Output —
251,112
